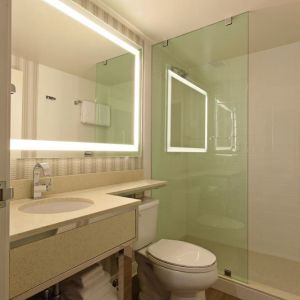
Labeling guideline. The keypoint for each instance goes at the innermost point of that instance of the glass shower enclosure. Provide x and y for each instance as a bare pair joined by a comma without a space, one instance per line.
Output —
199,140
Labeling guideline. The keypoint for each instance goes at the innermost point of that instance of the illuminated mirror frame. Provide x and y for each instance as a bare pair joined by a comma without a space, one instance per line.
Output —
84,17
174,76
233,135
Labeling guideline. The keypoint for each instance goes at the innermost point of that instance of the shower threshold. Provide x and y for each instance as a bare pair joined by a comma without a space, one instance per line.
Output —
271,275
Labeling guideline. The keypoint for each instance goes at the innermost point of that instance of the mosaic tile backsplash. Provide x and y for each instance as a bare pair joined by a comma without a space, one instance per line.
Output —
22,168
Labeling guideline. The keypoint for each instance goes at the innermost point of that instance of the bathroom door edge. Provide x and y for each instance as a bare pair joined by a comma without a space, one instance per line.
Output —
5,67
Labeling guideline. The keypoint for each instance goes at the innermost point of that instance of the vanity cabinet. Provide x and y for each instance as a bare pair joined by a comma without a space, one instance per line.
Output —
39,264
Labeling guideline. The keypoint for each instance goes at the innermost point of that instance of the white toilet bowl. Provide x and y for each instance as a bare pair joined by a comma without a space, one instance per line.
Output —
183,269
184,285
170,269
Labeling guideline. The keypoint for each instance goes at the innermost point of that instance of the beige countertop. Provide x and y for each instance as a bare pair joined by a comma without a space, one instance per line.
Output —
107,201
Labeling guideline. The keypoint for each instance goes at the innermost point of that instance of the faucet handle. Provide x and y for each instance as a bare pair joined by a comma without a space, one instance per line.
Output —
46,168
49,184
39,187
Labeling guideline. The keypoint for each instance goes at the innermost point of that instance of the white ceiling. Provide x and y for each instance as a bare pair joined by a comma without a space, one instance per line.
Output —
163,19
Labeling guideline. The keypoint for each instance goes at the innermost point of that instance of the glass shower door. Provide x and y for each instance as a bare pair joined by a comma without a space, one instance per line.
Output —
199,140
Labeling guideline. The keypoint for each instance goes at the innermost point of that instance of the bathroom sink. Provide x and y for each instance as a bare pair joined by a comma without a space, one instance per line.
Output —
55,205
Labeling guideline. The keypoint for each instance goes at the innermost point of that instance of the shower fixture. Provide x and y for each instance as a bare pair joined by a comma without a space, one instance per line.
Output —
179,71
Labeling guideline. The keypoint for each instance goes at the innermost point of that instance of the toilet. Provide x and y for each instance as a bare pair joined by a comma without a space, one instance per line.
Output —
170,269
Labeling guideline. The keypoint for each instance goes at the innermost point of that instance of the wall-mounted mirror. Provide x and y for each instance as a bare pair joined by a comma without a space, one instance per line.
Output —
77,82
186,114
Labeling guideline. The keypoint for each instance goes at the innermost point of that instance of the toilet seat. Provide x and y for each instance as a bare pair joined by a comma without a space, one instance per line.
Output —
181,256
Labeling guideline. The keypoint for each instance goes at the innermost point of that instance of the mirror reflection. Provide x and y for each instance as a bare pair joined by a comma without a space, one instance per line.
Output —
187,114
225,127
70,83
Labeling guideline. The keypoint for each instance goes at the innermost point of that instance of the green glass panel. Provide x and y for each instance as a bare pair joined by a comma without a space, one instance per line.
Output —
115,88
187,115
205,201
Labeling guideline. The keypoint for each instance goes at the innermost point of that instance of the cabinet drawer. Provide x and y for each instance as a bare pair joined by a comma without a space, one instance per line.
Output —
37,262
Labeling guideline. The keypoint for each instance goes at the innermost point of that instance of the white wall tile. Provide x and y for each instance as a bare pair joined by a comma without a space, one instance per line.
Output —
274,152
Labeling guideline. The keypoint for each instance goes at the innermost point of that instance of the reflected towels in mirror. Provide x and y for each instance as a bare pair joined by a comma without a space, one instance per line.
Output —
93,113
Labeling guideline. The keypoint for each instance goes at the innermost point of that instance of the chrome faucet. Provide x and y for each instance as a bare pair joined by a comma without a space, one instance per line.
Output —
40,170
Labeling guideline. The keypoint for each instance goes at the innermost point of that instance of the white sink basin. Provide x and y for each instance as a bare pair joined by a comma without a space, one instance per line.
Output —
55,205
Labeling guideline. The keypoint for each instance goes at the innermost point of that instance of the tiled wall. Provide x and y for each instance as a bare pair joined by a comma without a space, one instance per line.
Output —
274,151
22,168
30,79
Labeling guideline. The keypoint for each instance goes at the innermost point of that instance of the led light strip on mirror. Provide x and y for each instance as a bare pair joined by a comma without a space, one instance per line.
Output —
77,13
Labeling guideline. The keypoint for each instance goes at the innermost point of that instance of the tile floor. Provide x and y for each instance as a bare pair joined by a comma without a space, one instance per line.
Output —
212,294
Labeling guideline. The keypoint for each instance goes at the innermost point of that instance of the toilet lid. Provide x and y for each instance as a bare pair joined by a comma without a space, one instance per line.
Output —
182,254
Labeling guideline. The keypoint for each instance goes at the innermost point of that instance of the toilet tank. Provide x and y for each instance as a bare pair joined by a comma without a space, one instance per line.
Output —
147,223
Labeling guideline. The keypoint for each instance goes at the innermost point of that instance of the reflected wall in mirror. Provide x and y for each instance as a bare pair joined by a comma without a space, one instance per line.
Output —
115,90
76,85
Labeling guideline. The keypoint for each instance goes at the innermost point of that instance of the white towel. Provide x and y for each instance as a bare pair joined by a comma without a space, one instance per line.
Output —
91,284
102,115
92,293
88,277
111,295
97,279
93,113
88,112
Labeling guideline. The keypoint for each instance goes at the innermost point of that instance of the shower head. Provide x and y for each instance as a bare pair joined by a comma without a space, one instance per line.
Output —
12,89
179,72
